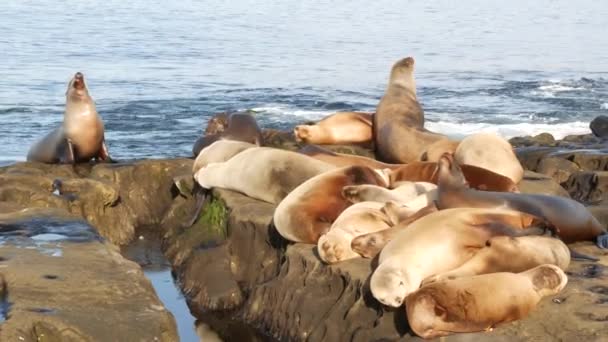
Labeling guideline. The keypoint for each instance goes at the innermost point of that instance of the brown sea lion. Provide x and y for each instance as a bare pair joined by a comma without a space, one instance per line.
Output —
479,303
570,219
491,152
511,254
358,219
405,192
420,250
264,173
309,211
399,133
434,151
239,127
81,135
338,128
341,159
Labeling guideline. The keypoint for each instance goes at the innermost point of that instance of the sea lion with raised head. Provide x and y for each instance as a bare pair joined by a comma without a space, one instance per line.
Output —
399,133
309,211
219,151
342,159
239,127
479,303
264,173
511,254
571,220
337,128
420,250
81,135
491,152
358,219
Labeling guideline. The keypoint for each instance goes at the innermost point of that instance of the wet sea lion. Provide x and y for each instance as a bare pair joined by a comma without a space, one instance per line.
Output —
405,192
219,151
399,133
491,152
239,127
338,128
360,218
309,210
342,159
570,219
264,173
81,135
420,250
511,254
479,303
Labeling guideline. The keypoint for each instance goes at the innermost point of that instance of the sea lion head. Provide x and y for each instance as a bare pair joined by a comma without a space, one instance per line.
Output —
77,88
449,172
217,124
302,132
389,284
402,74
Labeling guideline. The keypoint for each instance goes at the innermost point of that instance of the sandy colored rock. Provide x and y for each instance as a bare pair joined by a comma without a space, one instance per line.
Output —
536,183
559,169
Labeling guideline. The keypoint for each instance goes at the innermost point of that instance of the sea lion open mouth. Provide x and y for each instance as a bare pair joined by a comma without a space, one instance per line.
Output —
78,81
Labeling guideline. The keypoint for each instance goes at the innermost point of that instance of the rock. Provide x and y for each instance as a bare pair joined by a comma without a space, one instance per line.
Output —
542,139
599,126
536,183
587,160
588,186
559,169
61,282
530,157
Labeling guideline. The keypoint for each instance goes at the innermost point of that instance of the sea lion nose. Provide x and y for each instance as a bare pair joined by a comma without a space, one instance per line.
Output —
78,75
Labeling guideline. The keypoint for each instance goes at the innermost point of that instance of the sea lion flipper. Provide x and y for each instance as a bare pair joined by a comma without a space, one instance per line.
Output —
104,153
201,194
580,256
68,153
602,241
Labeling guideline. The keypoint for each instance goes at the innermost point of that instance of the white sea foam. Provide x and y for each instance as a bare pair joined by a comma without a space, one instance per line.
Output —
558,130
604,105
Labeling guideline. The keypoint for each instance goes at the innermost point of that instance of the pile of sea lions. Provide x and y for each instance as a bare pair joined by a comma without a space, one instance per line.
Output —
454,239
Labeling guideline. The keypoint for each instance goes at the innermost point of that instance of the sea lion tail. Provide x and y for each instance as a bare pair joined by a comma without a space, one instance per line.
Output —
201,195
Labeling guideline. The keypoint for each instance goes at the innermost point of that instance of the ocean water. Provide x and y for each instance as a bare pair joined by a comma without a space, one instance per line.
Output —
158,69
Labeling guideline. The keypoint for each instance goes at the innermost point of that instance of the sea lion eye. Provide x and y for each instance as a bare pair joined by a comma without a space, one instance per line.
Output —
401,283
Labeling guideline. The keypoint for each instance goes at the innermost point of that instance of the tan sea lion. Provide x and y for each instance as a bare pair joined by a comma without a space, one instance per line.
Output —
219,151
264,173
420,250
402,194
479,303
80,137
338,128
309,210
491,152
342,159
360,218
399,133
434,151
571,220
511,254
239,127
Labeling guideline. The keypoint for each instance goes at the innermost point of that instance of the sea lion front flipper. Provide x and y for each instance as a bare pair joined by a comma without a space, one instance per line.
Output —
602,241
68,154
201,195
104,153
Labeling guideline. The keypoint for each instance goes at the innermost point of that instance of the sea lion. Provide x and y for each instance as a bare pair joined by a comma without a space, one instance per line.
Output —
360,218
309,210
435,150
399,133
338,128
405,192
491,152
511,254
219,151
420,250
264,173
479,303
477,177
239,127
81,135
570,219
341,159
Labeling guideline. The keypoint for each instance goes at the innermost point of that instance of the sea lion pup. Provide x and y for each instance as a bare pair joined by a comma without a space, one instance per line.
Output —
481,302
570,219
309,210
399,133
491,152
405,192
80,137
360,218
240,127
435,150
264,173
342,159
511,254
338,128
420,250
219,151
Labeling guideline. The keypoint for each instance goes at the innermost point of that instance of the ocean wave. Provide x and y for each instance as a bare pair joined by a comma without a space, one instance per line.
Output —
604,105
460,130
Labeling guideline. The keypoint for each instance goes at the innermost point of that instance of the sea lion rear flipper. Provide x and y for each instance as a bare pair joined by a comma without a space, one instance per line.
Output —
580,256
201,195
602,241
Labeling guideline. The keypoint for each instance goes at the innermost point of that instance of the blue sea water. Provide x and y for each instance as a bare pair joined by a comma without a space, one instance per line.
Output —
158,69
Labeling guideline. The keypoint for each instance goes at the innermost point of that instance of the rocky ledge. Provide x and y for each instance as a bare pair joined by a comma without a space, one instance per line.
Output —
232,263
